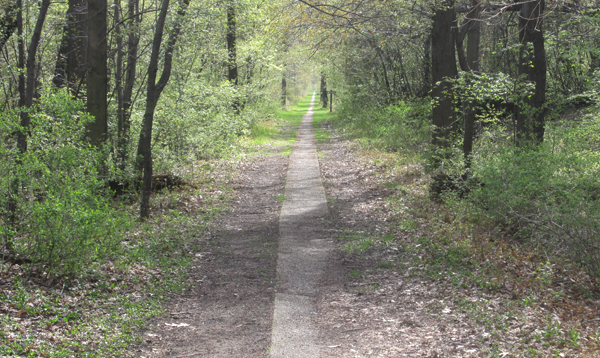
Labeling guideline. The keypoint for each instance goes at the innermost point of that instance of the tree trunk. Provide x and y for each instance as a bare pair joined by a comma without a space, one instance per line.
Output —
407,88
532,68
153,93
11,207
283,91
443,68
97,77
473,39
324,99
388,87
232,69
60,68
119,73
474,35
71,62
30,67
124,112
426,66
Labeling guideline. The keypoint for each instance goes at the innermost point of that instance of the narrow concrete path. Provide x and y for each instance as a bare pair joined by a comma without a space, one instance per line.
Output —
303,250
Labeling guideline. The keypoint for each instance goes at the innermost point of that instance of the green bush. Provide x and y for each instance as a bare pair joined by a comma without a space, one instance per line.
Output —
70,229
188,128
399,127
549,194
65,219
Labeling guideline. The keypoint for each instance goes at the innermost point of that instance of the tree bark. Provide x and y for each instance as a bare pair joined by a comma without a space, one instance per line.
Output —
443,68
474,35
385,75
119,74
97,81
29,84
426,66
11,206
153,93
60,68
283,91
124,111
532,68
232,68
472,62
71,62
324,99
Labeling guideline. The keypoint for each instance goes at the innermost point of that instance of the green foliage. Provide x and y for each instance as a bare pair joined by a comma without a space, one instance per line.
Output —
400,127
70,229
64,219
485,87
548,194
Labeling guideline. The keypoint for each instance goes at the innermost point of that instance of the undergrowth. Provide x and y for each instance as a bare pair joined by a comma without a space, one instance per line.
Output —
279,130
518,246
99,312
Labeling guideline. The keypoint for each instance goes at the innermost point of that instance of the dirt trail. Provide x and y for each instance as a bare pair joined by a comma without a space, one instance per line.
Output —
228,311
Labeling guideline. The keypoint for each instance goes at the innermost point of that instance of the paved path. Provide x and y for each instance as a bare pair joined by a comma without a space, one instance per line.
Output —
303,252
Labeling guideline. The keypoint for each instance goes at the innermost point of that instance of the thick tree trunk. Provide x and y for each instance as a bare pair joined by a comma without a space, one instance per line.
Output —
324,99
472,61
77,56
97,77
532,67
232,68
71,62
153,93
443,68
474,35
60,68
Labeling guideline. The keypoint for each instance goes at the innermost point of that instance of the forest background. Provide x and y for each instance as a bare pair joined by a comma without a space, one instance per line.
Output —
103,103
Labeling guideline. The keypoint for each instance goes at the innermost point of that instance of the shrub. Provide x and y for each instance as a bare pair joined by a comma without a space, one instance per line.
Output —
65,220
549,194
402,126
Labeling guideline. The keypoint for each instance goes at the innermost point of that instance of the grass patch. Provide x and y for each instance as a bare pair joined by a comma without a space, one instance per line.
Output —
357,274
281,130
263,132
356,242
385,265
320,117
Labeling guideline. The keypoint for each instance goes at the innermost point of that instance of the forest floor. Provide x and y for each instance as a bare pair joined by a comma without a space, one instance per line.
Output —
409,286
414,277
